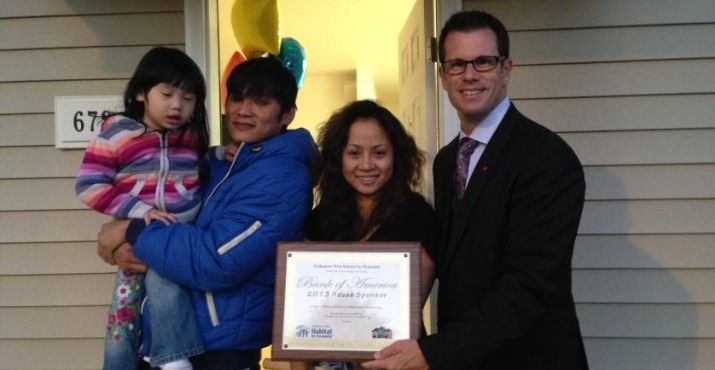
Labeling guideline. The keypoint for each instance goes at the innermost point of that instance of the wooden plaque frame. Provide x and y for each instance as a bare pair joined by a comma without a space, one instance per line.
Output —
410,250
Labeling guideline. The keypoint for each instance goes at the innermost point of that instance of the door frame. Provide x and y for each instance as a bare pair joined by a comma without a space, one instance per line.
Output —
201,35
448,120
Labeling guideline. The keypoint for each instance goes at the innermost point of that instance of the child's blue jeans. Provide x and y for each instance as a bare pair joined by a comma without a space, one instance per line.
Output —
173,327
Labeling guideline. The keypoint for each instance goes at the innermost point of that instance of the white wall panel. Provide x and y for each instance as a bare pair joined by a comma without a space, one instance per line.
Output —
612,44
52,354
619,113
645,251
72,64
50,226
686,286
690,181
561,14
91,31
56,290
648,353
39,194
53,322
630,85
51,258
39,162
27,130
644,147
643,320
648,217
613,79
39,97
46,8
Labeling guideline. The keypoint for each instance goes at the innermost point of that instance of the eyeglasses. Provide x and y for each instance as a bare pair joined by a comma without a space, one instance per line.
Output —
480,64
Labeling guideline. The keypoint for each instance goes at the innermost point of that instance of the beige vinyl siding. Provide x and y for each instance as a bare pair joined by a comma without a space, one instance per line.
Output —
40,354
617,113
54,290
34,97
631,86
50,258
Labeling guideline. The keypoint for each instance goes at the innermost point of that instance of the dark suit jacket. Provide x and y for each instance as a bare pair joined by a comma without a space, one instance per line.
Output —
504,264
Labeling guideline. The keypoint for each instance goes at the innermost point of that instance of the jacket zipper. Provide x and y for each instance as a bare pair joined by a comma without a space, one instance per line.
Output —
210,305
239,238
213,314
163,171
228,173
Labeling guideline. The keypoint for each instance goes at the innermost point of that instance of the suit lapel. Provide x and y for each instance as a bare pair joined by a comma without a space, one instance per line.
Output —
444,189
447,176
484,170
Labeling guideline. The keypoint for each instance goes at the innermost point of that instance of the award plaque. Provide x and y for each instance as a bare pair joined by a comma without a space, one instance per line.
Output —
344,301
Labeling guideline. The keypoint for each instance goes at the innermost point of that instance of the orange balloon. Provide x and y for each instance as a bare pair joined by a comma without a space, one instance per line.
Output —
236,59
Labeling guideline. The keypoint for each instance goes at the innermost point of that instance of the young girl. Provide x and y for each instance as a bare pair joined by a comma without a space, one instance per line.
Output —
146,164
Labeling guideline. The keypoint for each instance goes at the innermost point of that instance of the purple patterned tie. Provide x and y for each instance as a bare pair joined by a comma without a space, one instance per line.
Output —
466,147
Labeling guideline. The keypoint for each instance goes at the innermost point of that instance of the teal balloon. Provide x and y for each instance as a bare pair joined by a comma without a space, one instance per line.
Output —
292,55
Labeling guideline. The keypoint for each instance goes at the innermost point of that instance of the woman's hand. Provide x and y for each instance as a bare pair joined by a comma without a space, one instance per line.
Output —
110,238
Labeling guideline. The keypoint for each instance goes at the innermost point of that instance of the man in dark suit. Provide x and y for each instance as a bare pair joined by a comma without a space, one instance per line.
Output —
504,266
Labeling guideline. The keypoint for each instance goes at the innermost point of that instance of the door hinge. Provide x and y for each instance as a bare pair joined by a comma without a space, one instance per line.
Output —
432,50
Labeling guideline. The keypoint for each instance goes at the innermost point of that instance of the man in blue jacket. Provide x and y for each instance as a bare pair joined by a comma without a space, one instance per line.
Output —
226,258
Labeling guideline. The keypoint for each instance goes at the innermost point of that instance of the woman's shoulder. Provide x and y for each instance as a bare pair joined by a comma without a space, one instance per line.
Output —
416,202
414,212
315,225
413,220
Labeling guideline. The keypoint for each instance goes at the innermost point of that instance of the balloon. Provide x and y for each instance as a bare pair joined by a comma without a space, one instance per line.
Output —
292,56
236,59
255,25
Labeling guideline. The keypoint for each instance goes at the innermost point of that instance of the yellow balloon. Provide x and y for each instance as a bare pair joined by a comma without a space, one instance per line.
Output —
255,25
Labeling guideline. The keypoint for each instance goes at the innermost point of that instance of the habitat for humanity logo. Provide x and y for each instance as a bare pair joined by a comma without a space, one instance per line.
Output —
317,331
382,332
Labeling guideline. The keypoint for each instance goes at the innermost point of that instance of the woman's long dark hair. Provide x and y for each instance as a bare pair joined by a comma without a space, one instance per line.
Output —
174,67
337,199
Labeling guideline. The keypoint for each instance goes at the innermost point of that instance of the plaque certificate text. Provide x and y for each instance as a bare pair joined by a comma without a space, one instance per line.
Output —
345,300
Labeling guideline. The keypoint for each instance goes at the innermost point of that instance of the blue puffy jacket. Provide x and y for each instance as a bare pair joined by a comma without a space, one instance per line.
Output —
226,259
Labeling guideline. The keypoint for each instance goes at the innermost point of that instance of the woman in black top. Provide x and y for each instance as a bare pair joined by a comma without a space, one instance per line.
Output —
369,169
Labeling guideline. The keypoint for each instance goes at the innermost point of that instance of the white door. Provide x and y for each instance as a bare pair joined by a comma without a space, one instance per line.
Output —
417,83
420,98
421,101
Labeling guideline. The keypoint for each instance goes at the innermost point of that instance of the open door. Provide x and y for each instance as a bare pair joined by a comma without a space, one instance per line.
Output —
418,102
418,83
424,108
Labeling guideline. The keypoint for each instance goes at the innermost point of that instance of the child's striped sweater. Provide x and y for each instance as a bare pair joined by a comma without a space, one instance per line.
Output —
128,170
